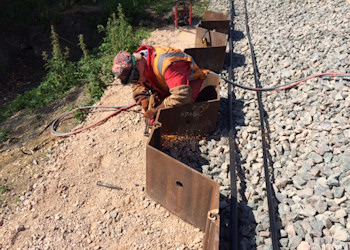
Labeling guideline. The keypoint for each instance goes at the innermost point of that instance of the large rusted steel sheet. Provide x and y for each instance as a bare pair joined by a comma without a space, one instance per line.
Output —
222,26
212,15
179,188
182,190
211,58
213,38
196,119
217,21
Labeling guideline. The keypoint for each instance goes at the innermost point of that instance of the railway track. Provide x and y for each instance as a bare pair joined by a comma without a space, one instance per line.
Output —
292,137
278,162
303,147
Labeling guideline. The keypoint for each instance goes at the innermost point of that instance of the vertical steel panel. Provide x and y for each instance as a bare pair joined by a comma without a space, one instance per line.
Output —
211,239
221,26
182,190
198,118
216,21
211,58
213,38
179,188
212,15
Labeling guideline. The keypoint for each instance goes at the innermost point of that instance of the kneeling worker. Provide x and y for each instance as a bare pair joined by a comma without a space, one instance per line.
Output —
170,75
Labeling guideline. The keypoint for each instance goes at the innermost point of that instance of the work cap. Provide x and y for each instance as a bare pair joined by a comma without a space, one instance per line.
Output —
122,66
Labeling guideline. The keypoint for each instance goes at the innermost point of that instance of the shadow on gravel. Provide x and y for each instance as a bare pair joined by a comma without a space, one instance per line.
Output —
245,217
237,35
238,60
278,220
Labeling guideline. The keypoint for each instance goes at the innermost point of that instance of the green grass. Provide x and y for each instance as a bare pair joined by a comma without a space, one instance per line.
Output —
79,115
93,70
4,134
199,7
19,14
163,7
3,189
61,76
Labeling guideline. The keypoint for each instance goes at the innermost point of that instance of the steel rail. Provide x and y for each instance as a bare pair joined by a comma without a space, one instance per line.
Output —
232,145
273,229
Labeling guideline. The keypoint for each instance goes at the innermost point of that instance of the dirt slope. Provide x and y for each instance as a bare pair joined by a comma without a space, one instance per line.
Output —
60,206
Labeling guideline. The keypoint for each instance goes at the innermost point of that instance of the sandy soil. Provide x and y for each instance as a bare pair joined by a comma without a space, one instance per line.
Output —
54,180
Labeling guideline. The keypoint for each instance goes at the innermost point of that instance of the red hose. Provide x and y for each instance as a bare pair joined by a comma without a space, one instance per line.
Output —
334,74
88,127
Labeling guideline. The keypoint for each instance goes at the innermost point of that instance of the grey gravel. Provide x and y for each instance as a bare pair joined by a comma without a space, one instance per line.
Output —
308,125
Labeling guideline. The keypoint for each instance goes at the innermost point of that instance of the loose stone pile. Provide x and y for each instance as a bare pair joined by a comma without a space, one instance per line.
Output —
308,126
184,148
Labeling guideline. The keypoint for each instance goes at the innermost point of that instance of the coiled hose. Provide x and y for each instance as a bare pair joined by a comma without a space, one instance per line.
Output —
59,119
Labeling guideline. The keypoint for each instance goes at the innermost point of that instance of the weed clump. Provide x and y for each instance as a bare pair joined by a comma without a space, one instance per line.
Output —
93,70
62,75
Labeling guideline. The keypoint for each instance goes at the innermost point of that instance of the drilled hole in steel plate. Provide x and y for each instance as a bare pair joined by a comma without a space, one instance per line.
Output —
179,184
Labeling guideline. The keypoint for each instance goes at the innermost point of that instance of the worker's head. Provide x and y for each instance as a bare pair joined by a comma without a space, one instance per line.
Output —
124,67
129,68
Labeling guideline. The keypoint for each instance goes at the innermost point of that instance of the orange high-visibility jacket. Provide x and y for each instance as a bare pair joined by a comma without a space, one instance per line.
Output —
165,56
159,59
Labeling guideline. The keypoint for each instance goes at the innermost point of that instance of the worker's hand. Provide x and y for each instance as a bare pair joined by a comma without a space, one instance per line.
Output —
157,98
149,114
144,104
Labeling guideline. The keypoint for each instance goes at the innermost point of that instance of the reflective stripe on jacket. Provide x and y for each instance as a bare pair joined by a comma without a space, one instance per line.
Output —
165,56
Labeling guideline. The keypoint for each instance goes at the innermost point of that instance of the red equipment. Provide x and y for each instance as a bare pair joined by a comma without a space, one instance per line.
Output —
181,14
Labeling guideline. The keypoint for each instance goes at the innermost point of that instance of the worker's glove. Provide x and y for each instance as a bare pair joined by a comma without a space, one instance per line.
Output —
151,113
157,98
144,104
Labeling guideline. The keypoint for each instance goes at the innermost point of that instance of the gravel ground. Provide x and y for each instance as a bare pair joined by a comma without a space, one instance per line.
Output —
309,153
308,126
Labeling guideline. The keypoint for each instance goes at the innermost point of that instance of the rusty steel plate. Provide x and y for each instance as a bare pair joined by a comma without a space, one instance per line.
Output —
182,190
217,21
212,230
179,188
211,58
213,38
212,15
197,119
221,26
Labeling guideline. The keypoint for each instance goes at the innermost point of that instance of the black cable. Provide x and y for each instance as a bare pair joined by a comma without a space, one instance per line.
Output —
284,86
273,229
